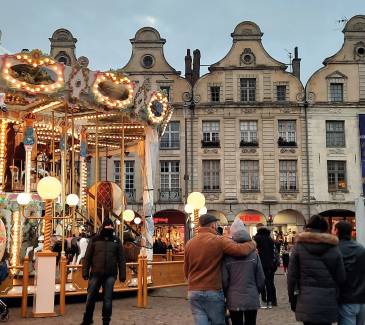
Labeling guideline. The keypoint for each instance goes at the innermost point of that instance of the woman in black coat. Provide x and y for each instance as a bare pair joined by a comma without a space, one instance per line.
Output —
315,272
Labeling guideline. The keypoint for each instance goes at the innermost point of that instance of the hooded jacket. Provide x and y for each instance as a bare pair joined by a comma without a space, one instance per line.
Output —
315,269
265,247
103,257
243,278
353,290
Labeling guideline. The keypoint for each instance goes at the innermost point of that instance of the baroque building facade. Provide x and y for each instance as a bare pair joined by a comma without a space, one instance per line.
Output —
248,134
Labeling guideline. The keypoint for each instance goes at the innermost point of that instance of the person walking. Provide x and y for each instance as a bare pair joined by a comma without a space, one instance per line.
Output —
243,278
266,250
202,266
315,272
352,293
104,256
285,258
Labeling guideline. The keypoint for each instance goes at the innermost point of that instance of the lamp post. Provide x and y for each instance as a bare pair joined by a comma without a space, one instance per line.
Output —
49,188
197,201
72,200
127,215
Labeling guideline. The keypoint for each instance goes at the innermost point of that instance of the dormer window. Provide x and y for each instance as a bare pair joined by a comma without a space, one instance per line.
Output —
336,92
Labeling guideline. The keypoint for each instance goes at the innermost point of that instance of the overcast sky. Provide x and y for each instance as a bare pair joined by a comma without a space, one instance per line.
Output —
103,28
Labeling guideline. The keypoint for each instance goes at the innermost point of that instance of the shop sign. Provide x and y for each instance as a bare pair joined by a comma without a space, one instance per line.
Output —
250,218
161,220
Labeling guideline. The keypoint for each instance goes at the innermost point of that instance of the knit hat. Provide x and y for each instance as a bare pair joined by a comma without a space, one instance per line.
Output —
107,222
238,232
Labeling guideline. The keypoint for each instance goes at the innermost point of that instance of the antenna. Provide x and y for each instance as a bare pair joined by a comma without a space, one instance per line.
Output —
1,33
290,56
341,22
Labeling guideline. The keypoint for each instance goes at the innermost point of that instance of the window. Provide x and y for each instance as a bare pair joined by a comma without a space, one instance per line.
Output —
288,175
248,130
248,89
128,174
171,137
287,133
210,134
335,134
249,175
336,92
215,93
336,171
166,90
281,93
211,169
170,175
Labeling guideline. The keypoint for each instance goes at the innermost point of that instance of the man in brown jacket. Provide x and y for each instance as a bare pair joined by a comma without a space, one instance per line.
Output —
203,259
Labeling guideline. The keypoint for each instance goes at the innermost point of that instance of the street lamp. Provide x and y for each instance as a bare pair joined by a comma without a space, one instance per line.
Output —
48,188
197,201
72,200
128,215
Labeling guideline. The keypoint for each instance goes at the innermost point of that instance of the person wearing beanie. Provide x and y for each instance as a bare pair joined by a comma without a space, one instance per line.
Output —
243,279
103,258
315,273
203,269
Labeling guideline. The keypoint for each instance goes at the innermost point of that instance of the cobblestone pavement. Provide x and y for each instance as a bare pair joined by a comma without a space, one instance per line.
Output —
166,306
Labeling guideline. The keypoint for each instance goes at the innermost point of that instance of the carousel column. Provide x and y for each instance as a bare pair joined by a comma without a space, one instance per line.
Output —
96,172
150,165
83,168
63,149
29,141
2,152
49,188
121,173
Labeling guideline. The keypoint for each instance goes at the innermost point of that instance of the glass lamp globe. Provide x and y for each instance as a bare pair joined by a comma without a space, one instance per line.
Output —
128,215
72,200
203,210
196,199
189,208
137,220
23,198
49,188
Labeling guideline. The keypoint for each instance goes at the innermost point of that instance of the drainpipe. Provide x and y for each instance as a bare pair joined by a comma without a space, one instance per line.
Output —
307,153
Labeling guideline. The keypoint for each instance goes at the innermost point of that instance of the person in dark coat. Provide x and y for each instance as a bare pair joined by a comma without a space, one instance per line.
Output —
104,256
316,271
285,258
243,278
266,249
352,293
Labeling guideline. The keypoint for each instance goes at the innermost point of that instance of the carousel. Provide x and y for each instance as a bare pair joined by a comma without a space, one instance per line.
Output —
56,122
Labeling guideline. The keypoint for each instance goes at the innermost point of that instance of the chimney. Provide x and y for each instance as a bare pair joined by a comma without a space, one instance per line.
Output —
188,71
196,65
296,63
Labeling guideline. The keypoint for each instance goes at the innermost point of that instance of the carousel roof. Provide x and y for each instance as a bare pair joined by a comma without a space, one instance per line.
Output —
103,103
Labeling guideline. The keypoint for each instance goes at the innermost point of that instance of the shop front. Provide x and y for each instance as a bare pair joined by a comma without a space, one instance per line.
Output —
169,230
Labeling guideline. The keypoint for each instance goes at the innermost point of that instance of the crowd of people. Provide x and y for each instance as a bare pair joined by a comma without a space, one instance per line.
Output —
227,275
231,277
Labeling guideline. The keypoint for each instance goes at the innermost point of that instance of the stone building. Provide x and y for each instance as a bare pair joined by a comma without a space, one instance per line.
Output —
239,133
248,148
336,95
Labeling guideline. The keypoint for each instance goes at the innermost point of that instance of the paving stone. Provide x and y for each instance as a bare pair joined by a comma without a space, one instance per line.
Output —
166,306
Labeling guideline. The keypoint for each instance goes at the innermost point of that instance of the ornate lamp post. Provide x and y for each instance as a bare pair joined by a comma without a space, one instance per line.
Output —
48,188
72,201
197,201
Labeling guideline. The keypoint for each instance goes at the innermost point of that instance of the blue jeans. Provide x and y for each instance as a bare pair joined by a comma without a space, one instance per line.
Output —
94,285
351,314
207,307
